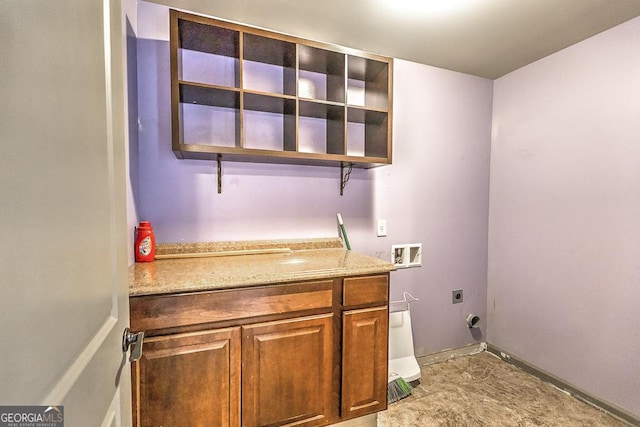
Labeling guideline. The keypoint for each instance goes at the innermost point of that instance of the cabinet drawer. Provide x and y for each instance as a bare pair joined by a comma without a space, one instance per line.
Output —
156,312
365,290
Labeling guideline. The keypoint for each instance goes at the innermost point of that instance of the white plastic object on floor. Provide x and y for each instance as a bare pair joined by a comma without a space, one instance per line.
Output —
402,359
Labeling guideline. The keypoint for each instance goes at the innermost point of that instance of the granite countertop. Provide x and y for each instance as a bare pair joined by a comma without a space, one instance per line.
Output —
311,260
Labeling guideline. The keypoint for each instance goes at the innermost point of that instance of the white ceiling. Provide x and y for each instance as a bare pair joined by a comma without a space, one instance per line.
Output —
487,38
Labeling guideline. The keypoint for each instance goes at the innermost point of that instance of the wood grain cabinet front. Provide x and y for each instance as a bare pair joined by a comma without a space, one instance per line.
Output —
286,372
297,354
364,361
188,379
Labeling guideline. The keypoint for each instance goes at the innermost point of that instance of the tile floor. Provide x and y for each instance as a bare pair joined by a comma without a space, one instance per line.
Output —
482,390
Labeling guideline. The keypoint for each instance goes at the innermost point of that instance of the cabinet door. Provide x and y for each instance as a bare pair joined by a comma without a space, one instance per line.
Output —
286,372
364,361
189,379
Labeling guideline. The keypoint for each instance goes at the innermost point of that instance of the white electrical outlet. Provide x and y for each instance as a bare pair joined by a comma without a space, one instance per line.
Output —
382,227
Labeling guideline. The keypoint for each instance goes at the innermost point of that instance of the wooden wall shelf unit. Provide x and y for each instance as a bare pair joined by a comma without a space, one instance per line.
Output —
253,95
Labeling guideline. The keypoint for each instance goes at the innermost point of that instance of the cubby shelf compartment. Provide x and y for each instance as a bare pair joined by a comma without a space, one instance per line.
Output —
209,116
269,122
321,128
208,54
269,65
254,95
368,83
368,132
321,74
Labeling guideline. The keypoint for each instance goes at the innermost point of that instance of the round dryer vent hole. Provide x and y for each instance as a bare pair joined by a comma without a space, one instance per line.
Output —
473,320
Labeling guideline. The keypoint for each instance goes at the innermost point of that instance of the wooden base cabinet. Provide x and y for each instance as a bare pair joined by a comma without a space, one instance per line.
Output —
189,379
286,372
298,354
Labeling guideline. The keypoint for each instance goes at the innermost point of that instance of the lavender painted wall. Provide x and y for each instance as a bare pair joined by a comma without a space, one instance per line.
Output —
435,193
564,233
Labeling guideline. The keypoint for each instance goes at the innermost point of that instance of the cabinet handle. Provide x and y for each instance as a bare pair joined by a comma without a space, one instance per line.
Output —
135,338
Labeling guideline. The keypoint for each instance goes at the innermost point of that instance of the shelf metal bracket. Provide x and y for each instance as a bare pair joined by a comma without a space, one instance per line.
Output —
344,176
219,173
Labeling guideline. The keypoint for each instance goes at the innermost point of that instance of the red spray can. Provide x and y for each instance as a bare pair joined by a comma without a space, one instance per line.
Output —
145,243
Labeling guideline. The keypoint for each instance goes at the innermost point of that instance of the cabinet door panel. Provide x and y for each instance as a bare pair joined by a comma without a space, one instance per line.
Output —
189,379
286,372
364,361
